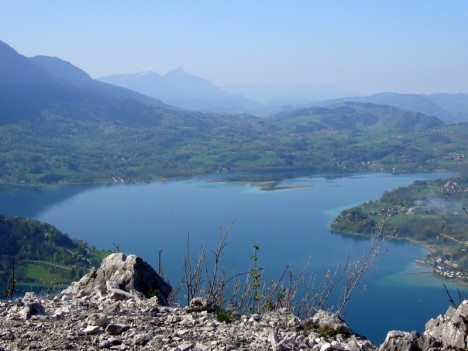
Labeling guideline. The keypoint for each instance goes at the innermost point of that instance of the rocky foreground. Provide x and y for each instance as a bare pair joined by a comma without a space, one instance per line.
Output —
109,308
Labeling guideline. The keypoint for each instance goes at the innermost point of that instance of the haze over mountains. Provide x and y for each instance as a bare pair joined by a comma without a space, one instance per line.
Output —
30,86
184,90
191,92
288,94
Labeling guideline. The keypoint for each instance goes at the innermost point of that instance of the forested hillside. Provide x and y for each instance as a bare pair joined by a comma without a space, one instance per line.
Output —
38,252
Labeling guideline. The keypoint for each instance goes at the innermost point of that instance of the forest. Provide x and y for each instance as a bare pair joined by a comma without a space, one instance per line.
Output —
32,252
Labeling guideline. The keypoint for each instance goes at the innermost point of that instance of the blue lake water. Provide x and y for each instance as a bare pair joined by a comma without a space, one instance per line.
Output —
288,225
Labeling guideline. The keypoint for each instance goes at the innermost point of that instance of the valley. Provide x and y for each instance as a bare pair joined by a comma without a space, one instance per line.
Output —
60,127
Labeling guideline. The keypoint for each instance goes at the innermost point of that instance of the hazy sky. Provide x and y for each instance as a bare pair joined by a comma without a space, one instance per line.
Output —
362,46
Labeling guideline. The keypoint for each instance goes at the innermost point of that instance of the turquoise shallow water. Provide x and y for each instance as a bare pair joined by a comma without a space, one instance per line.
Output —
289,225
413,276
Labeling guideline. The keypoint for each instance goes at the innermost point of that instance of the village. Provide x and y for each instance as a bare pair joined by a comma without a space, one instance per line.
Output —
445,268
449,261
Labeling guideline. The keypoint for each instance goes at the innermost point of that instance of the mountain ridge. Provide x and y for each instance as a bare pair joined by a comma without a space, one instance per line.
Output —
34,88
66,71
181,89
439,105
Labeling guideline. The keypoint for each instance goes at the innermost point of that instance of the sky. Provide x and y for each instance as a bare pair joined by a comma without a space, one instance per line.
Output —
364,46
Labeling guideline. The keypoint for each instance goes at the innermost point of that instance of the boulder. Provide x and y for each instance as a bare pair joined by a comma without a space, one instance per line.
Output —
447,332
32,309
294,322
401,341
328,321
198,304
123,277
91,329
116,328
451,329
29,297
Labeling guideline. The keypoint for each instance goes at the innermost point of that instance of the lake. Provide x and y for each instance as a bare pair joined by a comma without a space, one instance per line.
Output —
289,225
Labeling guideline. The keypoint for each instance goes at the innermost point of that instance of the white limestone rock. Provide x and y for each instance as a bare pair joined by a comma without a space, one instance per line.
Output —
123,277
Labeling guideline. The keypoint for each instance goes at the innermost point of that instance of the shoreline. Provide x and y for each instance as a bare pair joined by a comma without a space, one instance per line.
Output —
429,247
169,178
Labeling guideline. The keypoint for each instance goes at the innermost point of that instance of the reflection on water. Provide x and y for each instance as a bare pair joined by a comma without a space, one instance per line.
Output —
29,201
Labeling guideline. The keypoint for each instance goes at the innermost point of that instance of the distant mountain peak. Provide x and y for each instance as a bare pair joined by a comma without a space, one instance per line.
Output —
146,73
182,89
178,72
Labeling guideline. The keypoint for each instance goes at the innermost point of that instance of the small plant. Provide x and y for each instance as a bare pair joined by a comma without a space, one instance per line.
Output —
152,293
224,316
11,284
256,276
327,332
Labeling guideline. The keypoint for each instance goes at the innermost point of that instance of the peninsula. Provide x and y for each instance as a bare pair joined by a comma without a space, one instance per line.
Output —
430,213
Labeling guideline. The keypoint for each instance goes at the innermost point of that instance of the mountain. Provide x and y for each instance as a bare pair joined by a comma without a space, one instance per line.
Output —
16,70
25,88
456,104
39,87
354,116
63,70
450,108
183,90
